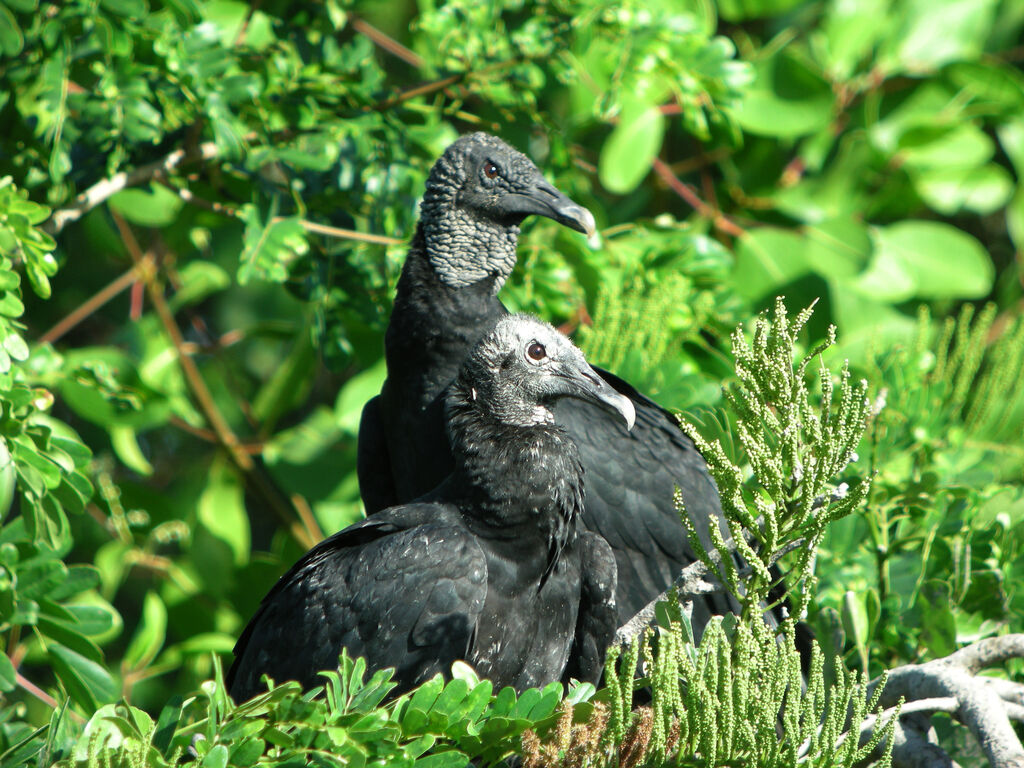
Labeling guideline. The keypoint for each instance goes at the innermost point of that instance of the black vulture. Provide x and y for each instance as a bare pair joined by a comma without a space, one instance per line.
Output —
464,248
489,567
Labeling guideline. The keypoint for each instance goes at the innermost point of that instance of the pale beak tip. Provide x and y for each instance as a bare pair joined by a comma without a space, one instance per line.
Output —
628,411
588,223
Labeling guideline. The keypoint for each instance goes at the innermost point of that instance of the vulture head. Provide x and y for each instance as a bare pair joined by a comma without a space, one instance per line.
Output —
477,194
517,371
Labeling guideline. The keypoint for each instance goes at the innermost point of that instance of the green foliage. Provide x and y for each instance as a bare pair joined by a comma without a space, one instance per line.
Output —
49,610
795,452
738,698
257,166
439,725
945,513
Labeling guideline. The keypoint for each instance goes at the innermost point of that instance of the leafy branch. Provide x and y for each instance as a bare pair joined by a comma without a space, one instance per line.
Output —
795,451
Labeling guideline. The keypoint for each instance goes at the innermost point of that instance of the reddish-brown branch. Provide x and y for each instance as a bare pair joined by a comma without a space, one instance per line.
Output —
204,398
93,304
43,696
419,90
686,192
385,42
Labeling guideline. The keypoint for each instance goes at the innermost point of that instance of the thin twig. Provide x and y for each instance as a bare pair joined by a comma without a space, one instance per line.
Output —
225,436
345,234
310,226
385,42
412,93
43,696
691,197
94,303
107,188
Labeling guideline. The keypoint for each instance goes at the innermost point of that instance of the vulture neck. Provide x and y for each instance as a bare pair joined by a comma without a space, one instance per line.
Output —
519,482
434,325
464,248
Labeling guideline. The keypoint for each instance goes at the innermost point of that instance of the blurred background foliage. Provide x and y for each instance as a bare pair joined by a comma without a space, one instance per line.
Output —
203,212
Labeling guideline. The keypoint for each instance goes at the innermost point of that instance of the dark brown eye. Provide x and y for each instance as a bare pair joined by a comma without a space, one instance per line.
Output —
536,351
490,170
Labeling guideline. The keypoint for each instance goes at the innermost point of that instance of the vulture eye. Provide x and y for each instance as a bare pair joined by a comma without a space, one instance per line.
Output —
536,351
491,171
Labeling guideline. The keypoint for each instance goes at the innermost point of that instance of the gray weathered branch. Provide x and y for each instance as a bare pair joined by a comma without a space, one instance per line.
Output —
107,188
985,705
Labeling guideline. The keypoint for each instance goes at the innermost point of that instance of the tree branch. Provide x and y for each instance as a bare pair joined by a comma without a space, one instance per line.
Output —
385,42
95,302
693,581
981,705
307,532
684,191
103,190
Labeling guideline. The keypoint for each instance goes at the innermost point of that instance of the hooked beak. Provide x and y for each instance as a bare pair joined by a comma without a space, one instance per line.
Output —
588,385
542,199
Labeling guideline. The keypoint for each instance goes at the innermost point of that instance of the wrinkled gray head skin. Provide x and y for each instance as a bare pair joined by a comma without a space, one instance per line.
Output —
519,369
477,194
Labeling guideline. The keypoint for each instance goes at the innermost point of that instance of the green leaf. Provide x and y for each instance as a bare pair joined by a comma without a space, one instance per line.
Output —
198,280
155,206
348,408
221,510
851,30
423,698
8,675
87,682
962,146
837,248
11,306
8,479
11,38
269,248
939,260
39,576
125,443
27,455
79,579
787,99
983,190
1011,138
627,154
149,635
738,10
135,9
444,759
938,625
95,619
16,347
930,33
69,637
217,757
767,259
1014,221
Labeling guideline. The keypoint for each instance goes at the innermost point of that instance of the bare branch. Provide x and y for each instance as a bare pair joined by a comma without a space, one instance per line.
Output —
103,190
348,234
307,532
94,303
988,652
385,42
981,706
687,193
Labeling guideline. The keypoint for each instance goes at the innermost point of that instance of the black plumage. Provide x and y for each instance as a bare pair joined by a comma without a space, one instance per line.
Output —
489,567
463,250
